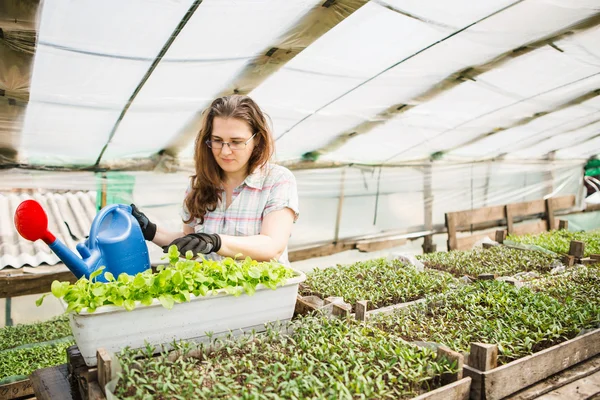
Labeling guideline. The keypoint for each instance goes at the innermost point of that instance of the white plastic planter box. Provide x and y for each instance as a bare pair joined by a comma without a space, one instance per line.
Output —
114,328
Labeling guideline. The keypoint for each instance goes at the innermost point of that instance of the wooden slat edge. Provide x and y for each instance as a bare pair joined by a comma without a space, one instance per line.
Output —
389,309
303,306
458,390
15,390
530,227
467,242
563,202
519,374
565,377
476,382
478,215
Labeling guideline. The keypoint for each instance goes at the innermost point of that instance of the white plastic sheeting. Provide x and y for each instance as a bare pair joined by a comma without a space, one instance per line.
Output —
375,199
381,82
121,81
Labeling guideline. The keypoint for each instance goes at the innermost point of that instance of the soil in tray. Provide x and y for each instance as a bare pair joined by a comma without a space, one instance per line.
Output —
381,281
320,358
519,321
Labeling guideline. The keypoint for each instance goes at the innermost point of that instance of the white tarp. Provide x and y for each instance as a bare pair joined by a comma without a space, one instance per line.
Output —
99,87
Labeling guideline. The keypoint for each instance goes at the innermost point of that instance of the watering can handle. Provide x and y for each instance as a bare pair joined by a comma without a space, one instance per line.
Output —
100,217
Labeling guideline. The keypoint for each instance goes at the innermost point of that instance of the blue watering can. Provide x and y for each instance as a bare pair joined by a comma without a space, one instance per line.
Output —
115,241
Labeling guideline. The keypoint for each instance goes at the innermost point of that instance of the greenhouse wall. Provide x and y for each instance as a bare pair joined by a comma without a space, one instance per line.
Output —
375,199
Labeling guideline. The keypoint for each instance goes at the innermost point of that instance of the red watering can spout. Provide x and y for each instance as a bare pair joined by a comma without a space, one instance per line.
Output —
32,222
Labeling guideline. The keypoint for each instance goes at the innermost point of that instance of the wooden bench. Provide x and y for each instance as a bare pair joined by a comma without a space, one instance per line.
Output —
517,218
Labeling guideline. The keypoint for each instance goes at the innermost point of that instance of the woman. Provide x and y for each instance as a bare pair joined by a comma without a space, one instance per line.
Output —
237,202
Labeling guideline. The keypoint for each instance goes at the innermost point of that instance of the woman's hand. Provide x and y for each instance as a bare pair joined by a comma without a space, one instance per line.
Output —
204,243
148,228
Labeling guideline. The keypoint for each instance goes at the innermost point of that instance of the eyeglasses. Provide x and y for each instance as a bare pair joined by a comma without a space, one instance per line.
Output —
233,145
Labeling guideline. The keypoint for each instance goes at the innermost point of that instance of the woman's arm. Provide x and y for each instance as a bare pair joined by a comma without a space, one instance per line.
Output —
269,245
164,238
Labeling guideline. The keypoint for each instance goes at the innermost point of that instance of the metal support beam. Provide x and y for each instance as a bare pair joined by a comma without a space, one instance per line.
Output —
316,23
453,80
428,246
524,121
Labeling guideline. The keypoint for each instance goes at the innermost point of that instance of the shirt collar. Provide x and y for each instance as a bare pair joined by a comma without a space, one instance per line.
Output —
256,179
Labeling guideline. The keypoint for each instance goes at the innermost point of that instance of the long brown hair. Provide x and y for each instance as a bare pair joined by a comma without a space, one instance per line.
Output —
206,183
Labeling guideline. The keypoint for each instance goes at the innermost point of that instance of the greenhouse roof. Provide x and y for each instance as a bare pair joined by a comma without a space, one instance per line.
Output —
101,84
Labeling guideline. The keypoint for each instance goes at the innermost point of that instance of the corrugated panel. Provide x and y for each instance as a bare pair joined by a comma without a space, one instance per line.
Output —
77,209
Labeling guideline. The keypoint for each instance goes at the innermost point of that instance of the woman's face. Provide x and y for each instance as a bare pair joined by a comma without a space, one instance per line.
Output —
232,158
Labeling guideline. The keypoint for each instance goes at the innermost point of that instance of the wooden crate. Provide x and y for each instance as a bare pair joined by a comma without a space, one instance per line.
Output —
363,305
89,382
458,390
16,390
491,382
536,216
53,383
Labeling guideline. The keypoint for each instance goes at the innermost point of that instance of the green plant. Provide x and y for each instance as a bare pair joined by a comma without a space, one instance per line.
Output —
26,360
559,241
579,285
184,278
519,321
501,260
18,335
319,359
380,281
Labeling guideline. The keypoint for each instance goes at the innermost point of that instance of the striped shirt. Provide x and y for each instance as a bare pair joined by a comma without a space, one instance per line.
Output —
267,189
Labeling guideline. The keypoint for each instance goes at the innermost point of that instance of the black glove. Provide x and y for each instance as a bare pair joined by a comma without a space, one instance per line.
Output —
148,228
204,243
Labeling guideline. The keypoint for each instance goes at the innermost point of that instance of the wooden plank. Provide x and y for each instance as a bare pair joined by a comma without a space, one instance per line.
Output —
81,374
563,202
320,250
379,244
572,374
451,228
392,308
16,390
587,388
527,208
52,383
530,227
95,392
576,248
104,367
500,236
563,224
483,357
307,304
455,391
550,214
591,207
584,388
509,378
14,282
476,376
466,218
568,260
444,352
361,310
467,242
341,310
508,214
